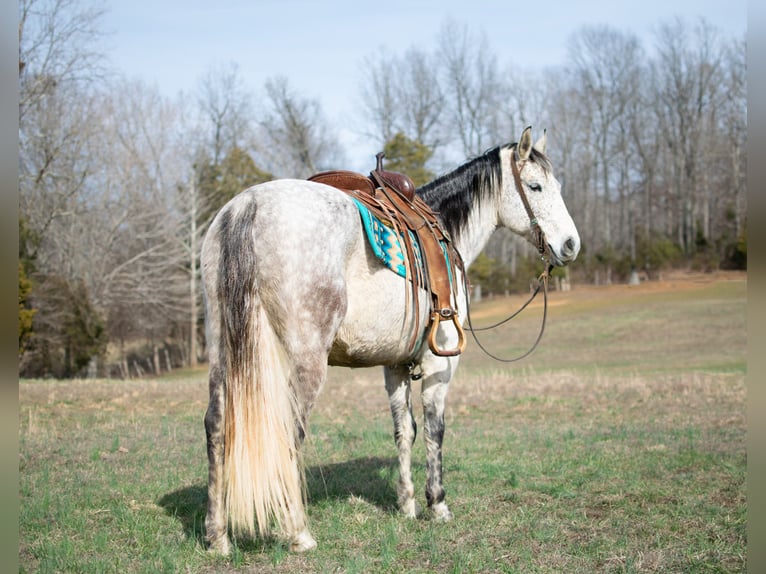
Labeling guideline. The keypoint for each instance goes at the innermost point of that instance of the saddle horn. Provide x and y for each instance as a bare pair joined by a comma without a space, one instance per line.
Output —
399,182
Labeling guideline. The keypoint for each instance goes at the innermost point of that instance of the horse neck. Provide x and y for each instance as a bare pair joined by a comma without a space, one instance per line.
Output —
465,200
475,234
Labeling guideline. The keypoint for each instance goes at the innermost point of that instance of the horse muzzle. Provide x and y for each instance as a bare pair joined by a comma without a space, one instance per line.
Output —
566,253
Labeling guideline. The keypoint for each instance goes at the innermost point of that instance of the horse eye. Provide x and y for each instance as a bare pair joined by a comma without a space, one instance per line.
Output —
535,187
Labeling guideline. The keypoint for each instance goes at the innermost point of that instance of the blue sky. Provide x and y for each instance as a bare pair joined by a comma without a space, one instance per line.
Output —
320,45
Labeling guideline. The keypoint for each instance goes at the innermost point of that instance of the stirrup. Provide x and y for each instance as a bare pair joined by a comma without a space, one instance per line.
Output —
437,317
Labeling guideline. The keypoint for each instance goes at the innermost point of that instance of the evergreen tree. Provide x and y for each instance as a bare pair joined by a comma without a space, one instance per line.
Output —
221,182
409,157
26,312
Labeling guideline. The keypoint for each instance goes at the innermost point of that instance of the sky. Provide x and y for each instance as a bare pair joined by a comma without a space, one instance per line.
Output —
321,45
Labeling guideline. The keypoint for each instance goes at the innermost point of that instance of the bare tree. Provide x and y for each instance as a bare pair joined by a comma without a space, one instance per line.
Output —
58,43
689,91
605,68
296,139
419,99
733,118
144,267
379,98
525,100
224,103
402,97
472,86
58,61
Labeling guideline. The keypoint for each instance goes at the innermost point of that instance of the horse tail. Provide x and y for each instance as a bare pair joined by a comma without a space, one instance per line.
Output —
263,470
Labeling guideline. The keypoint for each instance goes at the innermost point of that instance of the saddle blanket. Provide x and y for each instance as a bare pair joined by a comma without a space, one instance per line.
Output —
384,241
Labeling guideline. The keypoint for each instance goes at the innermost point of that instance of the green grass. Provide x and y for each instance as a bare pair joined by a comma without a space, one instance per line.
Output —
618,329
619,446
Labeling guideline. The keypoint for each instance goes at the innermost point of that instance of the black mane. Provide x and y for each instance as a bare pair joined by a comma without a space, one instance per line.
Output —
455,194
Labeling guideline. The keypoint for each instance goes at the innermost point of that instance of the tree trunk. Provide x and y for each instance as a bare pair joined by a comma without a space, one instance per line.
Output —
193,280
156,359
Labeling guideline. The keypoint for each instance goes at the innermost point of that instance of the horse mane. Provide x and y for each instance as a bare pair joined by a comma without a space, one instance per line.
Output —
455,194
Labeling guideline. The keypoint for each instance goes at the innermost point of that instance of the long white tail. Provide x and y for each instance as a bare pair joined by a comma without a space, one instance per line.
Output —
263,471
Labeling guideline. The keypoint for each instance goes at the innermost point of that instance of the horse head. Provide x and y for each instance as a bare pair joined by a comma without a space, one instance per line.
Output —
531,204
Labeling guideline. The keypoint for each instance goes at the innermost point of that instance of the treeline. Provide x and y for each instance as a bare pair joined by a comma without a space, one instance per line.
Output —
118,182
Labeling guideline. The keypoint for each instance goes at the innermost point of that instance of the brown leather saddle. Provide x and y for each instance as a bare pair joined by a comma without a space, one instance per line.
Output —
391,197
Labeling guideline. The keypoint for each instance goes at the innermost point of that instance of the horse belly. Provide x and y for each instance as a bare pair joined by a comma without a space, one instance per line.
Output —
378,325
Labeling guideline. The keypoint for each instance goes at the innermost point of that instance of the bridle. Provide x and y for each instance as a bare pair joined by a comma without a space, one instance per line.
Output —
542,280
537,231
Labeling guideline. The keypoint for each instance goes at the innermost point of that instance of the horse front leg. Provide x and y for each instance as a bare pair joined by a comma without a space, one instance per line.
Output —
434,395
399,397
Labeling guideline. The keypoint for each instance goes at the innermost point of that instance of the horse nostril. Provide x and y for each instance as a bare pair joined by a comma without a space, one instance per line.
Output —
569,246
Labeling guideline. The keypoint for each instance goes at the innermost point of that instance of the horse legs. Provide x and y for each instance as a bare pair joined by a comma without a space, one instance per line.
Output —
215,521
307,382
405,429
433,395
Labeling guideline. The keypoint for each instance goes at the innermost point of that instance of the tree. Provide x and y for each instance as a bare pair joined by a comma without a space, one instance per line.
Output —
225,123
221,182
402,98
296,140
26,312
96,171
606,64
472,87
379,98
58,44
224,104
68,335
58,65
421,98
409,157
689,90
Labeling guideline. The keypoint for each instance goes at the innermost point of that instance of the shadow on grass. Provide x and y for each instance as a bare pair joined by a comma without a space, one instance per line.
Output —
366,478
188,505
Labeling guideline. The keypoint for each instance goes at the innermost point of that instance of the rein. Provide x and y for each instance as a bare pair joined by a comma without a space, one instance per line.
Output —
542,280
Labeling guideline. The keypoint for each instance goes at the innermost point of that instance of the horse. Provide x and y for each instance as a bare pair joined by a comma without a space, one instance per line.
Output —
291,286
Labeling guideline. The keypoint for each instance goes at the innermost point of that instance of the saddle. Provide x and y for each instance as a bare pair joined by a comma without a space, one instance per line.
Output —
391,197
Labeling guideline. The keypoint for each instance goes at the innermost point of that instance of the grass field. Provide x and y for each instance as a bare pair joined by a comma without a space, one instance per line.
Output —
618,446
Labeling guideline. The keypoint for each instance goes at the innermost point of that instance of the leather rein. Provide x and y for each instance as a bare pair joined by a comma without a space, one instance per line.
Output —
542,280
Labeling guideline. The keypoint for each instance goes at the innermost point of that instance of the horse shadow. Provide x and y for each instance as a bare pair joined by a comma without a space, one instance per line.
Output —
369,478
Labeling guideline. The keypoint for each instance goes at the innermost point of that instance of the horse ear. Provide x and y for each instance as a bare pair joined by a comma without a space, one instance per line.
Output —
540,144
525,143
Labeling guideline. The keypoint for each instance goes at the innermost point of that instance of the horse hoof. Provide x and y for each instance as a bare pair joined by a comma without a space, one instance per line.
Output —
219,546
303,542
441,513
411,509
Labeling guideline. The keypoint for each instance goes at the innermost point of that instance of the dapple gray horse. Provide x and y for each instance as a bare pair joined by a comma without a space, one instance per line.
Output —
291,286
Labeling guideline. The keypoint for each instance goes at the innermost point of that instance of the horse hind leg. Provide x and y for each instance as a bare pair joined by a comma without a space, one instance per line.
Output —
216,533
305,388
307,380
216,519
399,397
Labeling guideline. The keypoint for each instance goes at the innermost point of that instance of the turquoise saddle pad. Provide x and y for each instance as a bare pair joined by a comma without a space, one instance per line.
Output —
385,243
